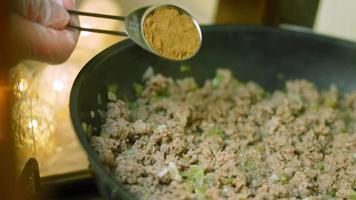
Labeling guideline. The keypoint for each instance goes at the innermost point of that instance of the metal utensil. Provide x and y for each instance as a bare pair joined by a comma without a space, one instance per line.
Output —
133,25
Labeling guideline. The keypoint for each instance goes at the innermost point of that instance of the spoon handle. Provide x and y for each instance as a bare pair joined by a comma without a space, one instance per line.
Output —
119,33
75,12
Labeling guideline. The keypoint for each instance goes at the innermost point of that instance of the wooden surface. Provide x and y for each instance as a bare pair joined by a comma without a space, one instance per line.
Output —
241,12
267,12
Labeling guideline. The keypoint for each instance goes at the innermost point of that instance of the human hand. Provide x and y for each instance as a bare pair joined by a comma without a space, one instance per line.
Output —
37,30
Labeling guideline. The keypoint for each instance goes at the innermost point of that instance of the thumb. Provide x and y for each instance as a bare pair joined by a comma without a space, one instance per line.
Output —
50,13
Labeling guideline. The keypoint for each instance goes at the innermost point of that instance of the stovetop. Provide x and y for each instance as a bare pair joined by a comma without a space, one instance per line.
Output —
78,185
72,186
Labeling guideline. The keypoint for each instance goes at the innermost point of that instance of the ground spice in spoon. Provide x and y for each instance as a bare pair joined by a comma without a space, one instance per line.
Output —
171,34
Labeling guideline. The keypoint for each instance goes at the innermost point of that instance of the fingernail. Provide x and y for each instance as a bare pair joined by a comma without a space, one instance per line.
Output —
59,2
55,15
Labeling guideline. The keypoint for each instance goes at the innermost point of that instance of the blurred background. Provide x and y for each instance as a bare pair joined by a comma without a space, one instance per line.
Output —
40,115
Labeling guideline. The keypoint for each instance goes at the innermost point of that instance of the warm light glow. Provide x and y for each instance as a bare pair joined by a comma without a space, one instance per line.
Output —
85,33
58,85
33,124
22,85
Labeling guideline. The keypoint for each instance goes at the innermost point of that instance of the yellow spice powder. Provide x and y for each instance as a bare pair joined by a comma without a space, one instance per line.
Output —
171,33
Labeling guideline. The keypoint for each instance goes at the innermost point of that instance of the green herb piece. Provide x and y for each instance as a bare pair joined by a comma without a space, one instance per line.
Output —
217,80
228,181
313,106
260,91
162,93
283,179
112,91
319,165
261,148
249,165
126,99
195,178
133,105
112,96
184,68
237,83
189,186
331,101
200,191
92,114
138,89
352,195
112,88
194,173
85,127
215,131
101,113
332,192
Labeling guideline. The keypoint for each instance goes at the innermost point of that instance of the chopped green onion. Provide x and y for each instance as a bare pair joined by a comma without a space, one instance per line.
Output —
319,165
112,88
215,131
261,148
200,191
92,114
249,165
163,93
184,68
332,192
194,173
133,105
283,179
112,91
112,96
331,101
195,178
217,80
85,127
101,113
189,186
237,83
228,181
138,89
126,99
352,195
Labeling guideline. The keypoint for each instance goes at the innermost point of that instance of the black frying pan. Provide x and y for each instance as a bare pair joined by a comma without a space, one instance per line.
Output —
264,55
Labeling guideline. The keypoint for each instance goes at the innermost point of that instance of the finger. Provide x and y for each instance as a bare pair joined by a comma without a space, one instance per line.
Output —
70,4
38,42
51,13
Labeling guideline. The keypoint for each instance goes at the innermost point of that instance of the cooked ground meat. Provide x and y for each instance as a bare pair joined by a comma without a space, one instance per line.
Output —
231,140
